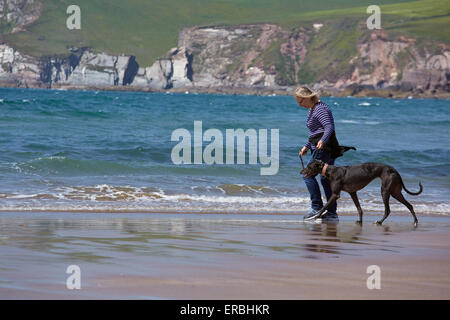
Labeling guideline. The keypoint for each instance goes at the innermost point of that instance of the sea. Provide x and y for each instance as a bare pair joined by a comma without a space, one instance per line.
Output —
113,151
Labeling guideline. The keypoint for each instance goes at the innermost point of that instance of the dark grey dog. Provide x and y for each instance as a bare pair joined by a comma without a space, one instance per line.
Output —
354,178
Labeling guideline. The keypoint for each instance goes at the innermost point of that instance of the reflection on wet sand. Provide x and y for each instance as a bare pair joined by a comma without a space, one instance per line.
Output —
36,250
348,233
323,232
102,240
342,234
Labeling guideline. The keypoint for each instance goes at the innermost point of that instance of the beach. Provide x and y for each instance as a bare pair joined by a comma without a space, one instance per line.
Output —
93,195
221,256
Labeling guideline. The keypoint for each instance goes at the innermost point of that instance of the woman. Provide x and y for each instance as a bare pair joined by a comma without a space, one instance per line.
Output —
322,137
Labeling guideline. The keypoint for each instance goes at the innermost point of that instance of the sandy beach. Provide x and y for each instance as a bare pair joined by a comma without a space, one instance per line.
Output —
221,256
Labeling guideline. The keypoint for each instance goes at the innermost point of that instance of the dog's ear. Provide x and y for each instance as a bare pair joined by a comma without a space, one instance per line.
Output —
319,163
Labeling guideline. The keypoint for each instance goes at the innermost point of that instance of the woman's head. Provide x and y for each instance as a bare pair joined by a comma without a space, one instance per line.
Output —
306,97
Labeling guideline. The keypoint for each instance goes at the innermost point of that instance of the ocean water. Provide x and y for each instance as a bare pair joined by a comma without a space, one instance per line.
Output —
111,152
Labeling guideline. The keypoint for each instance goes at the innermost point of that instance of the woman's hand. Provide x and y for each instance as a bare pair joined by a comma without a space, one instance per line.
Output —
303,151
320,144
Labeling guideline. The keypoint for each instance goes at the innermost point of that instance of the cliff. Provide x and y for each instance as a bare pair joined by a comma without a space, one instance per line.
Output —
17,69
268,56
257,57
15,15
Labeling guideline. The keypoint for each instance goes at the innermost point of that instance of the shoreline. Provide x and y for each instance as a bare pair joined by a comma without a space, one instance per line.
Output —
354,91
233,212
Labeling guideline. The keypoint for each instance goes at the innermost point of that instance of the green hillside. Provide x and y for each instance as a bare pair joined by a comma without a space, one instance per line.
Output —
148,29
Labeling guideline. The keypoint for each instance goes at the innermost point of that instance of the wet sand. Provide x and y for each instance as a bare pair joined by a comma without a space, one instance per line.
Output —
221,256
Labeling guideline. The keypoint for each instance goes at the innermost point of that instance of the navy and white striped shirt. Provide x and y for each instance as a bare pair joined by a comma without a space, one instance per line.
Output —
320,119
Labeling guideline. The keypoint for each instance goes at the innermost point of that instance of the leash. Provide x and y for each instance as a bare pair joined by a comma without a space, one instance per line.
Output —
314,156
301,159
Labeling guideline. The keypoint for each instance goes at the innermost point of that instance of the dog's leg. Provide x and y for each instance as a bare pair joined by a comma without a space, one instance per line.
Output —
400,198
333,198
358,206
387,210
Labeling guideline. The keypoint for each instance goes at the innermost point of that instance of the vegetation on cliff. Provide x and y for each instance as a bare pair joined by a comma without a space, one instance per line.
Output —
233,43
147,29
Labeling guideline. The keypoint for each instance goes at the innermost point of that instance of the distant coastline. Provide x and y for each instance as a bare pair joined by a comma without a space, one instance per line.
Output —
336,56
260,91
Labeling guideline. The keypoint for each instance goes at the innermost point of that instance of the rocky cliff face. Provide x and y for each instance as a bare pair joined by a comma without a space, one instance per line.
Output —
93,69
15,15
84,68
81,68
383,63
174,71
263,56
222,56
17,69
234,56
243,56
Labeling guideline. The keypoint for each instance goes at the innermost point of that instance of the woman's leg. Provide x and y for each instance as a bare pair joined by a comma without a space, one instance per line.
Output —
325,183
314,191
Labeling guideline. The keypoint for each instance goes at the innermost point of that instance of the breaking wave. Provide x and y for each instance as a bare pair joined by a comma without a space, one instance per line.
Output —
227,198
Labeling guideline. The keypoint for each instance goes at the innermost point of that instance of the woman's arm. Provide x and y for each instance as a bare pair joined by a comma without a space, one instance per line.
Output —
326,120
303,151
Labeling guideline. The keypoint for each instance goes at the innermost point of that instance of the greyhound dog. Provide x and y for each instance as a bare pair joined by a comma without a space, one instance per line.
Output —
354,178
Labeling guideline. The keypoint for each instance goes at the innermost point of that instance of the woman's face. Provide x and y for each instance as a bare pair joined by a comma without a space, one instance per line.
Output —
303,102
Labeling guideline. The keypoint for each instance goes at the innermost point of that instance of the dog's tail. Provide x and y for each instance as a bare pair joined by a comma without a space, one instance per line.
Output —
412,193
345,148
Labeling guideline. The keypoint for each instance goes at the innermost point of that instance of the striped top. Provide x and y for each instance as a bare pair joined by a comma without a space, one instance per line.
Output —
320,119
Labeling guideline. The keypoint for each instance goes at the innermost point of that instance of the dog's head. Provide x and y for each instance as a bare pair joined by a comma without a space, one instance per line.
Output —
313,168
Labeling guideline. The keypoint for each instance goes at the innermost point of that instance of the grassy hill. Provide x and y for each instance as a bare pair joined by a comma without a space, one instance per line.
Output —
148,29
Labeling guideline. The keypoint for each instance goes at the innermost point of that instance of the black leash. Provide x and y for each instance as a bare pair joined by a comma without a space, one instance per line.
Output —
314,156
301,159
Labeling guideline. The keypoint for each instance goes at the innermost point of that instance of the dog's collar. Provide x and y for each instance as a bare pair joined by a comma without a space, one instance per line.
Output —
324,169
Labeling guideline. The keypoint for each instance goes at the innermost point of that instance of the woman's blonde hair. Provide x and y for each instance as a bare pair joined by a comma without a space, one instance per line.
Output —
305,92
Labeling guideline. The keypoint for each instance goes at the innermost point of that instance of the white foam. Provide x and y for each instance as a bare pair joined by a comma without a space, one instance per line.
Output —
200,203
359,122
105,197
